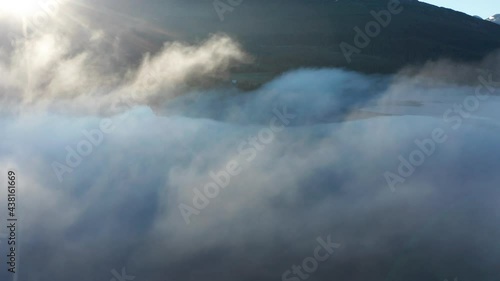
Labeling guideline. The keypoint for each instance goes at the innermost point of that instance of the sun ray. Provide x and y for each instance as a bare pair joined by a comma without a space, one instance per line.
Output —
18,8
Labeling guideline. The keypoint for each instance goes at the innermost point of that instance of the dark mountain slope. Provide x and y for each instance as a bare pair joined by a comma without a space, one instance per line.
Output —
286,34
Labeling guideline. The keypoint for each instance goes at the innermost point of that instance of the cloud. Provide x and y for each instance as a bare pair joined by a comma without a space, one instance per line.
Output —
48,72
322,175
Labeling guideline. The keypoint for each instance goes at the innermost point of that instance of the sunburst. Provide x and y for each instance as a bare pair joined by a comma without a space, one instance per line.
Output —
18,8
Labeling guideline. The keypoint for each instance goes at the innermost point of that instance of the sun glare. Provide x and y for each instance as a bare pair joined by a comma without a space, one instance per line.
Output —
19,8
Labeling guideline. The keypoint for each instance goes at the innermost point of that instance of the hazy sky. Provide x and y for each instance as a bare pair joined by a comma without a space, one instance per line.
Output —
482,8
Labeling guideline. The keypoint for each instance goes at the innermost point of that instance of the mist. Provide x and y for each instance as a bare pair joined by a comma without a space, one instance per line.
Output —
109,158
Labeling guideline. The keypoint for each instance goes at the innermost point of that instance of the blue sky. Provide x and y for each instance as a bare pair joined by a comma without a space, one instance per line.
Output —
482,8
